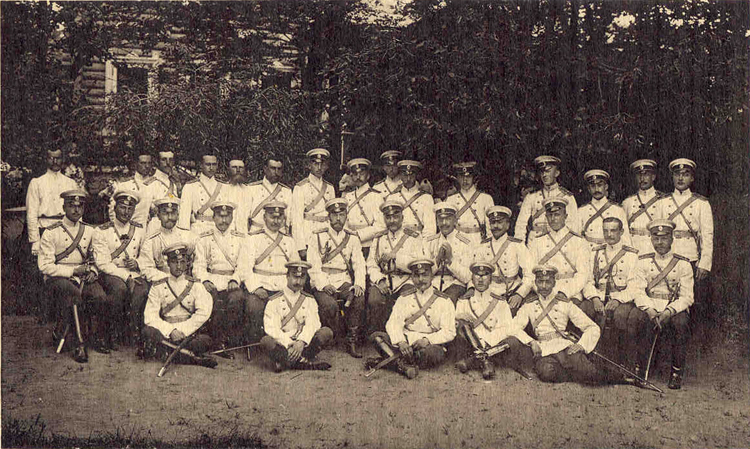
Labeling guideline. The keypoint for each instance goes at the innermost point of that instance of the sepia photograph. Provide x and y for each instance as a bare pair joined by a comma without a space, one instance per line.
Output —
375,224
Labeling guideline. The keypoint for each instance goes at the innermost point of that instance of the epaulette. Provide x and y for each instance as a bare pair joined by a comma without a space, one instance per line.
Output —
629,249
469,294
303,182
318,231
191,181
149,180
679,257
599,248
531,297
565,191
285,186
282,231
441,294
256,232
432,237
380,234
576,234
515,240
407,289
192,279
205,234
304,293
237,233
700,197
56,224
497,297
411,232
277,295
350,232
463,238
487,240
160,281
155,234
106,225
646,256
374,190
136,224
564,300
255,183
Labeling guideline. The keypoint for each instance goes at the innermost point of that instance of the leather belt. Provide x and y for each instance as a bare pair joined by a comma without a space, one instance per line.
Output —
640,231
469,229
503,279
549,336
221,272
175,319
357,227
52,217
662,296
268,273
615,288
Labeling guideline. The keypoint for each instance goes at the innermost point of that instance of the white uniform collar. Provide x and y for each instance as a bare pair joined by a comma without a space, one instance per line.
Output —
684,194
599,203
362,189
501,240
561,233
613,249
648,193
290,295
665,258
468,193
425,295
69,224
551,188
545,301
267,184
206,180
317,182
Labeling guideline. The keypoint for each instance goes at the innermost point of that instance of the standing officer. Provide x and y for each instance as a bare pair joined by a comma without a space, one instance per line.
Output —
140,182
263,266
216,263
663,288
451,251
418,204
309,198
338,274
117,245
557,357
236,192
43,201
471,204
563,249
390,183
294,336
364,217
592,214
509,257
197,196
422,323
532,208
152,261
169,183
387,263
484,321
642,207
177,307
70,277
260,193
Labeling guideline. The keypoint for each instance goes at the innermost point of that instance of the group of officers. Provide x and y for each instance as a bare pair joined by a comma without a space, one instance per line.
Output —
211,266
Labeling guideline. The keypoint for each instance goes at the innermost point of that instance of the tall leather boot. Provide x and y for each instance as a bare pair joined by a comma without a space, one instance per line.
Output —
351,342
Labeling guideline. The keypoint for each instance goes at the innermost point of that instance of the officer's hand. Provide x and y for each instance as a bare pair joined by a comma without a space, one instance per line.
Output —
536,350
652,313
35,248
303,254
261,293
574,348
405,349
701,274
80,270
329,289
131,264
358,291
463,316
598,304
611,306
295,350
515,301
130,283
176,336
562,297
421,343
210,287
383,287
664,317
233,285
445,254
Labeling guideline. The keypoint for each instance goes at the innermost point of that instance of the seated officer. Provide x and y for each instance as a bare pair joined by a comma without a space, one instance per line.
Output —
263,266
451,251
64,259
178,306
117,245
418,204
608,298
591,214
216,257
294,336
337,276
663,288
422,323
484,322
387,263
557,356
152,262
364,217
510,259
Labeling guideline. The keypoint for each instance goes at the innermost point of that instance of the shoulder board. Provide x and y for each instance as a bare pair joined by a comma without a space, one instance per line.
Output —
57,224
629,249
191,181
565,191
469,293
374,190
155,234
433,237
303,182
304,293
277,295
600,247
321,230
531,297
237,233
463,238
160,281
660,194
488,240
350,232
576,234
255,183
646,256
284,232
564,300
149,180
136,224
411,232
256,232
285,186
407,289
106,225
700,197
498,297
326,182
205,234
677,256
515,240
192,279
440,294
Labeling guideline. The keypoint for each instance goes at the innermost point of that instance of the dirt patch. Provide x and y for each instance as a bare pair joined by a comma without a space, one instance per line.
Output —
340,408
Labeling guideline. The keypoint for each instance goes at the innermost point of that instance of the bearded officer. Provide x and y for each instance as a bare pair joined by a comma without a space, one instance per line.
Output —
309,198
152,261
418,204
591,214
168,183
451,251
338,272
470,203
294,335
364,216
260,193
641,208
198,195
389,161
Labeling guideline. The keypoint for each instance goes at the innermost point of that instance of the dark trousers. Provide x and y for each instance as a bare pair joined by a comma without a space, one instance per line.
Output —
198,345
518,355
228,317
278,353
91,302
614,327
563,367
255,306
428,357
641,334
129,314
454,292
330,308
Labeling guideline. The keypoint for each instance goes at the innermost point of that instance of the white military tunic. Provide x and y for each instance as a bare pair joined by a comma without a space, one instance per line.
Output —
144,186
512,267
617,274
474,219
335,271
637,220
387,242
58,238
257,194
187,317
270,271
675,291
44,206
419,214
532,208
594,232
107,239
573,260
387,186
195,195
301,327
308,213
700,218
457,272
217,256
364,216
437,324
497,326
152,262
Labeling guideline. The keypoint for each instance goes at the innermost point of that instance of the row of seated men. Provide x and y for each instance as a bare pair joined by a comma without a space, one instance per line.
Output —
245,274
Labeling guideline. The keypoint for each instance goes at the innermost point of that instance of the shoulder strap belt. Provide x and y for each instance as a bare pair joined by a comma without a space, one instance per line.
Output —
545,312
595,216
467,205
116,253
178,299
422,312
263,203
499,254
643,209
336,251
558,246
679,211
662,274
73,246
317,198
481,318
270,248
295,308
211,199
408,204
609,265
225,252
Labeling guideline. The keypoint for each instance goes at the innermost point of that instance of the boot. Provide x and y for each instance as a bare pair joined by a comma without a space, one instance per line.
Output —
410,371
488,369
207,361
372,362
675,379
101,346
464,364
80,355
304,364
351,343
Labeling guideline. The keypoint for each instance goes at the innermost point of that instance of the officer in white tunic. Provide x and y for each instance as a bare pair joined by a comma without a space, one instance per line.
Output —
197,196
309,196
364,217
259,193
152,261
642,207
470,203
418,204
591,214
451,252
389,162
142,182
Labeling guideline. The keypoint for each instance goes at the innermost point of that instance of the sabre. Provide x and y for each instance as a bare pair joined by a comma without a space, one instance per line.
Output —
221,351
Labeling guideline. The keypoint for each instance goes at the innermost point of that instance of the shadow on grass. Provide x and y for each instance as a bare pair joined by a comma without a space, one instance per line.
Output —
32,433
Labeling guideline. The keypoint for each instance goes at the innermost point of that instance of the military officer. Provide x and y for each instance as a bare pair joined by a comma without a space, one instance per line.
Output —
510,259
557,356
309,198
484,322
532,208
168,183
294,335
64,259
263,266
451,252
387,263
422,323
389,160
117,245
152,261
471,204
607,295
141,182
591,214
641,208
259,193
563,249
197,196
418,204
178,306
43,201
216,263
364,217
236,192
662,285
338,272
